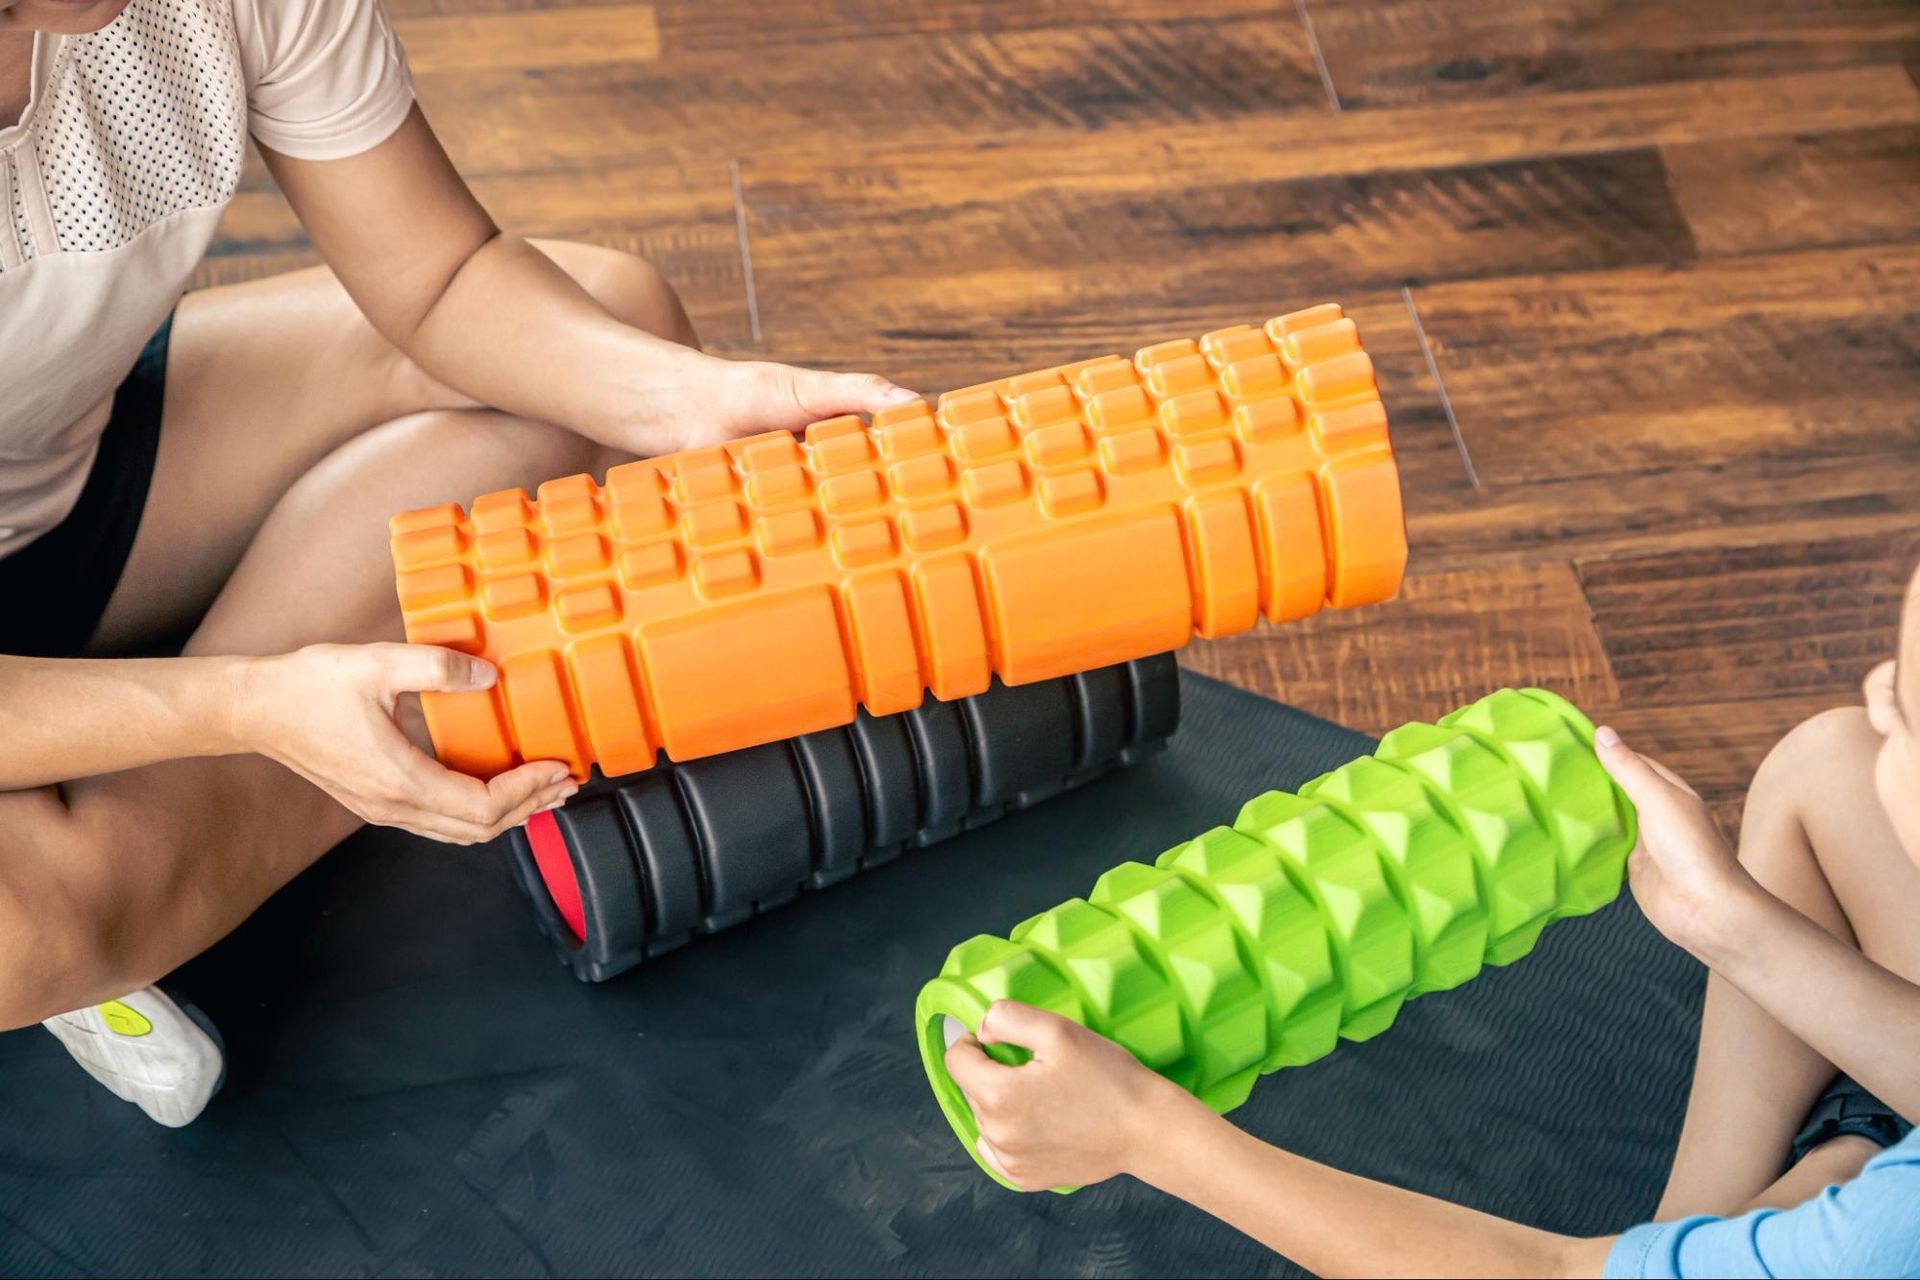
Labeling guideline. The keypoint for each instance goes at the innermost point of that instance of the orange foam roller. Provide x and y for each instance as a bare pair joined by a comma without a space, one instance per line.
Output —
1046,524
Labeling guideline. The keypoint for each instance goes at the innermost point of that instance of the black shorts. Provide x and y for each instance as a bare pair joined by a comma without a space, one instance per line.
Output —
54,590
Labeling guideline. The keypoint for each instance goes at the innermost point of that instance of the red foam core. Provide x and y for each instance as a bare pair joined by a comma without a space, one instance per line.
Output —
556,871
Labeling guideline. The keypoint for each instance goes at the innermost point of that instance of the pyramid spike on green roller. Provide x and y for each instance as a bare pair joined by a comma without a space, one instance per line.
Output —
1316,915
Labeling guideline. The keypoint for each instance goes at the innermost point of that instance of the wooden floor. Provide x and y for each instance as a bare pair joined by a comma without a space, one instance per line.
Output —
1642,278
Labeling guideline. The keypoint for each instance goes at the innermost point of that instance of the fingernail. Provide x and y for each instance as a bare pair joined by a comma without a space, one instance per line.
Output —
480,674
1606,737
555,779
900,395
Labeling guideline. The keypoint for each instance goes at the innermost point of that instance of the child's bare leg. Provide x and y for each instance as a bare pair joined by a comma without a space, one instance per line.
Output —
1815,835
1828,1164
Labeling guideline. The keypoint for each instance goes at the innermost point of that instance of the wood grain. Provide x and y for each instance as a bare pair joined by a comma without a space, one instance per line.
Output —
1448,639
1732,400
1033,99
1753,195
535,41
1393,52
962,86
752,25
1725,624
1213,235
1716,746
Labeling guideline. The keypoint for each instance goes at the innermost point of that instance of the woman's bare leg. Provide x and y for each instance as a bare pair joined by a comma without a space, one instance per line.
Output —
264,380
135,872
1815,835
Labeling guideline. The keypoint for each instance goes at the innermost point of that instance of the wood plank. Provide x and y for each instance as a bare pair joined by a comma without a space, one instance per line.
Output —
967,85
1749,501
1753,194
1440,136
688,25
1183,231
1717,746
1397,52
1032,97
536,41
1449,638
1721,625
403,9
1792,355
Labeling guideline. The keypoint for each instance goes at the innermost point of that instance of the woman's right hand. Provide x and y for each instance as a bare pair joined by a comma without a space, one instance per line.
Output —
327,712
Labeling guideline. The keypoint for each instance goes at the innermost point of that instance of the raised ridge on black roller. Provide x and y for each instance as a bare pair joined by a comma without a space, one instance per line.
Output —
610,887
830,773
1019,735
749,814
697,846
1155,712
884,748
1100,715
659,839
942,767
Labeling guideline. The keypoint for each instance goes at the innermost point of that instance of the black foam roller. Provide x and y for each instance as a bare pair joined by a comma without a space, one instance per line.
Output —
691,848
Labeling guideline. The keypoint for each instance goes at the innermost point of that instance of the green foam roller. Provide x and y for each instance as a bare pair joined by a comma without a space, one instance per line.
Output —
1314,916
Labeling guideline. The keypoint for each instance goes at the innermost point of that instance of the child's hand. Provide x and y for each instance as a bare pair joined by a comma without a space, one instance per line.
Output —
1686,879
1081,1111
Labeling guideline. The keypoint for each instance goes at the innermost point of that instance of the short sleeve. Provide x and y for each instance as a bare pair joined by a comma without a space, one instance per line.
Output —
1865,1227
326,79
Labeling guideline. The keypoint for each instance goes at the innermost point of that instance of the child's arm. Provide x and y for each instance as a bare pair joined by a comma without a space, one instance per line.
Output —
1083,1109
1860,1017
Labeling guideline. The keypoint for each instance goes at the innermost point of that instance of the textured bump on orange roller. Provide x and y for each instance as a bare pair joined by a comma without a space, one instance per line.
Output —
1050,523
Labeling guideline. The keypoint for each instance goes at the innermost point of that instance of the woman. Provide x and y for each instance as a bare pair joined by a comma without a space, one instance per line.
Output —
224,471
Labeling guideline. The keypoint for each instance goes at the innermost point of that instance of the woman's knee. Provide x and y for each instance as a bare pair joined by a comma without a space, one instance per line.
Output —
60,932
627,285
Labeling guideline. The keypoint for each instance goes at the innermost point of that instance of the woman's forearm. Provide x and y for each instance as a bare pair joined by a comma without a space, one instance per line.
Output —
1861,1017
1334,1223
65,718
513,330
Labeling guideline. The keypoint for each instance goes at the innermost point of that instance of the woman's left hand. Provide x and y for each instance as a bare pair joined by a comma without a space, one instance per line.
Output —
1082,1110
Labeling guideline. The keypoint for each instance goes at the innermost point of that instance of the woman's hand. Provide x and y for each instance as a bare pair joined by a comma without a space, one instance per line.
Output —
1082,1110
327,713
688,399
1684,875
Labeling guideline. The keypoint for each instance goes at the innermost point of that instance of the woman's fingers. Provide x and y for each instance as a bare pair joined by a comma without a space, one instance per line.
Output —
826,395
421,668
466,810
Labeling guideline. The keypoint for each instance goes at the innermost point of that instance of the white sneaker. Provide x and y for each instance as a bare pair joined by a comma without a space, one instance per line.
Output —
164,1058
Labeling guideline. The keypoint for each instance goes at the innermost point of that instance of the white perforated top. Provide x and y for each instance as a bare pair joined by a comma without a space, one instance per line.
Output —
114,177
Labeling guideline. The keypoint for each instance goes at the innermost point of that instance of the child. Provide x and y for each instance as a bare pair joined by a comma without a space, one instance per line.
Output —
1812,935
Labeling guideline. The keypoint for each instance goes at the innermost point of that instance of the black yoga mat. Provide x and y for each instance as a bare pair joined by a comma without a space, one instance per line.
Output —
417,1088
